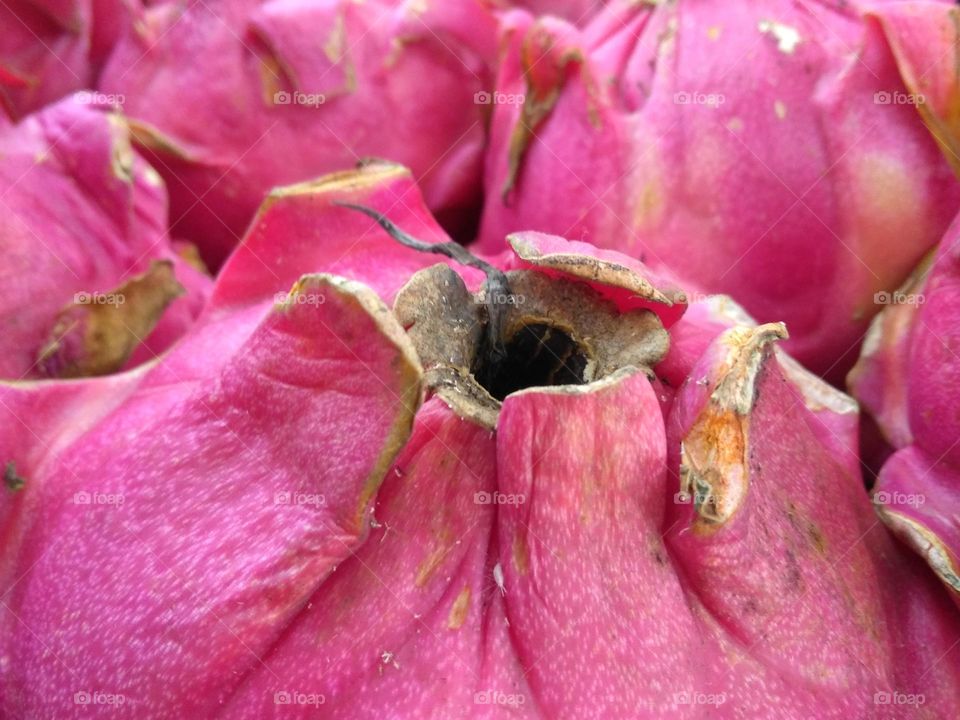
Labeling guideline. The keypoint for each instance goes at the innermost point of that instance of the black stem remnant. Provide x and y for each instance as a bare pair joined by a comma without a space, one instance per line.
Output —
498,288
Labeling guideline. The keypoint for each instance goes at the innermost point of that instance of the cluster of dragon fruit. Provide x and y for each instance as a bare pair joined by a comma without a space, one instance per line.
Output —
441,359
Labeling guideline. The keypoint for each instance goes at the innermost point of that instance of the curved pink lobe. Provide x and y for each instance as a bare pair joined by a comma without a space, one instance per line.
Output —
802,551
411,623
598,618
923,37
300,229
193,522
82,213
913,486
933,381
876,378
629,284
910,377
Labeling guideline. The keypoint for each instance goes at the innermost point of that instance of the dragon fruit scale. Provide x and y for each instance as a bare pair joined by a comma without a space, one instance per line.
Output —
771,151
286,90
51,49
428,484
91,281
908,378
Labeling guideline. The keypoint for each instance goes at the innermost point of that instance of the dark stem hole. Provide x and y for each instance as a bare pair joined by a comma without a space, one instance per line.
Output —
536,355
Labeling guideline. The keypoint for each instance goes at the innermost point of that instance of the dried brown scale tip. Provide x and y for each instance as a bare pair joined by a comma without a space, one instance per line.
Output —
11,479
95,334
521,329
555,332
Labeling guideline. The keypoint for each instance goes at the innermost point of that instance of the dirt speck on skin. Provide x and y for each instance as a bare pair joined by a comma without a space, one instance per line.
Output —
806,528
11,478
793,576
459,610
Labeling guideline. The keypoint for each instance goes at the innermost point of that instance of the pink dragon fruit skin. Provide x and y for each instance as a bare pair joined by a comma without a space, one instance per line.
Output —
271,104
50,48
82,215
269,523
908,378
766,151
577,12
923,36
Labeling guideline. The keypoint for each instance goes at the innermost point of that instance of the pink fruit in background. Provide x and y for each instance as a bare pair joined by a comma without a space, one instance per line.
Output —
311,507
50,48
575,11
283,91
908,378
770,151
88,278
924,36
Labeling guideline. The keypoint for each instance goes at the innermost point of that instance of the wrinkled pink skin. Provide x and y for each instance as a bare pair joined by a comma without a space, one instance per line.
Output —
791,190
201,596
49,48
403,90
909,378
80,212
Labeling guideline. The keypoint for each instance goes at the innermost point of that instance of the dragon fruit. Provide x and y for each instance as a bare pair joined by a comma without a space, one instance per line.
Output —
908,378
771,151
284,91
50,49
312,506
90,281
